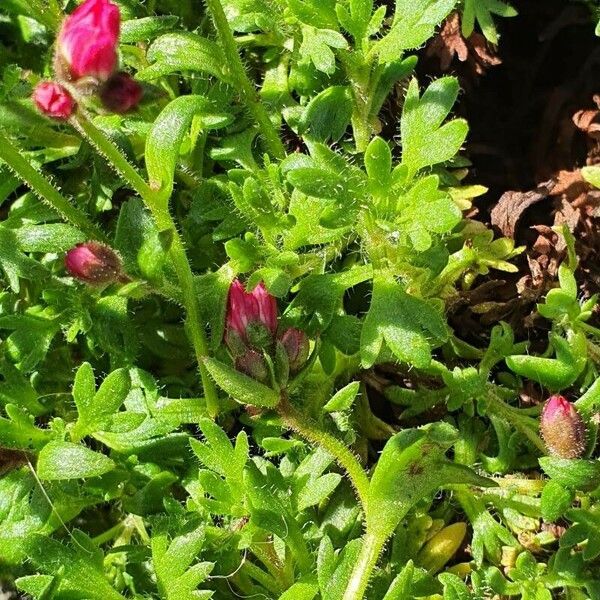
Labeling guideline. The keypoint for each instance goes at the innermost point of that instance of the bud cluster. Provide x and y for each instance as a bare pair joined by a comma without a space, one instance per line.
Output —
85,62
252,337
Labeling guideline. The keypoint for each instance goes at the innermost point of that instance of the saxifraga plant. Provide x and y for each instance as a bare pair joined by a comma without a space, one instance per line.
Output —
259,151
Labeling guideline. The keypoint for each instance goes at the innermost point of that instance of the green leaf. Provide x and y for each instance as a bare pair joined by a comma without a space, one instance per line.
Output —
17,389
424,210
40,587
271,510
410,326
412,466
317,46
556,500
378,162
138,240
53,237
554,373
219,454
97,410
239,386
18,431
586,528
300,591
165,138
80,576
401,586
454,587
32,335
14,263
414,23
84,387
575,474
425,142
184,51
314,12
591,175
333,570
481,11
146,28
316,490
327,116
212,290
357,20
343,399
65,460
178,578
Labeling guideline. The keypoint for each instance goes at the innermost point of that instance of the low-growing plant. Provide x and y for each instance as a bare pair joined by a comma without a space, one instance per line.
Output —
223,227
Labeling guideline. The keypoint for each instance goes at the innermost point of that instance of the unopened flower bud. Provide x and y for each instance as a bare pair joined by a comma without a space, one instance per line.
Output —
296,345
253,364
442,547
87,42
94,263
562,428
251,319
121,93
53,100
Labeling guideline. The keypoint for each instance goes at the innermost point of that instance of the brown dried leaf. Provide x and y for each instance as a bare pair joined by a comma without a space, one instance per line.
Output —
483,51
449,42
587,121
475,51
511,206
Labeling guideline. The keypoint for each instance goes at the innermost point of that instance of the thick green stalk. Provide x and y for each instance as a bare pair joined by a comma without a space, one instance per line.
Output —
243,84
41,186
308,429
361,575
165,222
114,156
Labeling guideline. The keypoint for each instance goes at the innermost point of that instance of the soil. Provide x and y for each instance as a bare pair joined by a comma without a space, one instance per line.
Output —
533,107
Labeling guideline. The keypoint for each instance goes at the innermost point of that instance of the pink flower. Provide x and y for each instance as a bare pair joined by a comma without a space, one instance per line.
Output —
251,318
87,42
53,100
562,428
121,93
94,263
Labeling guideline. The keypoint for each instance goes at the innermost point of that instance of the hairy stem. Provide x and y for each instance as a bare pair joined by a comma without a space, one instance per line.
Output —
525,424
243,84
41,186
114,156
165,222
361,575
308,429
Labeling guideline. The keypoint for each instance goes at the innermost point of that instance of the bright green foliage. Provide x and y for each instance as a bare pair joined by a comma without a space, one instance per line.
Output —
482,11
286,142
177,573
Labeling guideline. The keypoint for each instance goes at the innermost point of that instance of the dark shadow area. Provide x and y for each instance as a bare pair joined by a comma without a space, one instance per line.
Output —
520,112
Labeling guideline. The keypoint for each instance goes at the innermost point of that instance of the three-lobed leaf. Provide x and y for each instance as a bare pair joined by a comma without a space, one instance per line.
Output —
425,141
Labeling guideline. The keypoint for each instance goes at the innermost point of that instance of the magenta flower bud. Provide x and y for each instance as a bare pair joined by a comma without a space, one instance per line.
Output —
94,263
296,345
121,93
88,39
251,318
53,100
253,364
562,428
